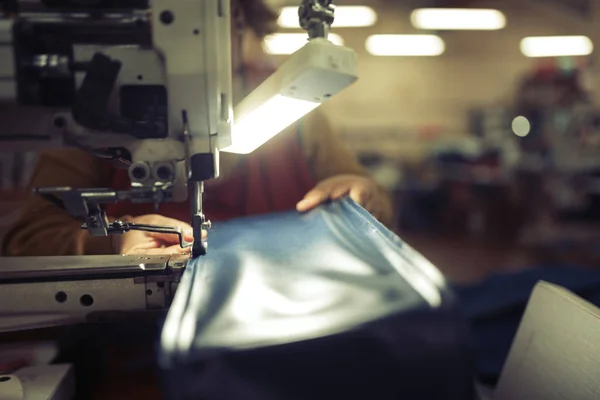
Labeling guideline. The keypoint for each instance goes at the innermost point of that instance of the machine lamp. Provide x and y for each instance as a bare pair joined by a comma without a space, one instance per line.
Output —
289,43
311,76
345,17
458,19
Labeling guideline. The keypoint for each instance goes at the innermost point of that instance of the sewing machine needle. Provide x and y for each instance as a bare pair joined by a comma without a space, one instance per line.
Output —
198,219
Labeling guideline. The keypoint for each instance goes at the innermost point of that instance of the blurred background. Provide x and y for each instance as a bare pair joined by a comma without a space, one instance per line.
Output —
480,117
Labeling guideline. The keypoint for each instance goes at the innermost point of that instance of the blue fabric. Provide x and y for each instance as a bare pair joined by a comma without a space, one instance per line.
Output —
327,304
494,309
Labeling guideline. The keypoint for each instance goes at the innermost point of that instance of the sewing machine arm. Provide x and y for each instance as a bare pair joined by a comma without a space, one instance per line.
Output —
38,292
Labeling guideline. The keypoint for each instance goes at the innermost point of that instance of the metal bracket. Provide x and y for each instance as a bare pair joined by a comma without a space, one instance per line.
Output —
199,224
84,204
316,17
119,227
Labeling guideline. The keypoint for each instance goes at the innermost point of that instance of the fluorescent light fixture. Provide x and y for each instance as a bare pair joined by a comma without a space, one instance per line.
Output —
344,17
311,76
458,19
288,43
557,46
405,45
266,120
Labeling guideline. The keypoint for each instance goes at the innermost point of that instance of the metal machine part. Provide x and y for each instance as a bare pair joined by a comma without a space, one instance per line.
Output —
48,382
123,82
144,85
85,205
199,222
117,227
40,292
316,17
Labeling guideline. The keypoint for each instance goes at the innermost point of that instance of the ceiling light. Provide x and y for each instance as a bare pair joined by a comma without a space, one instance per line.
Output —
344,17
405,45
521,126
557,46
458,19
288,43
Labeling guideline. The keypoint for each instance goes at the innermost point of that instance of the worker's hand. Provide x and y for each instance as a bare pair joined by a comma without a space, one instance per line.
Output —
142,242
360,189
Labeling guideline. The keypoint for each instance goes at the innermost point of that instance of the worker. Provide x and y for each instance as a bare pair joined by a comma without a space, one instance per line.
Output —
300,168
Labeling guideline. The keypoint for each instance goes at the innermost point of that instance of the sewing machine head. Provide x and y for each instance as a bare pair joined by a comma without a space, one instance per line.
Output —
129,84
148,87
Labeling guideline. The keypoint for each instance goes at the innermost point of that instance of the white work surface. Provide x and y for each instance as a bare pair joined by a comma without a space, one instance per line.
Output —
45,382
556,352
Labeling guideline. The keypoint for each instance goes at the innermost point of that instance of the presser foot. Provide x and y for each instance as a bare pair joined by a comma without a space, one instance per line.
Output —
198,249
200,227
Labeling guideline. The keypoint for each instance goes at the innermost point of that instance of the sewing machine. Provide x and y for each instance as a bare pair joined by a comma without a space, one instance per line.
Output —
145,85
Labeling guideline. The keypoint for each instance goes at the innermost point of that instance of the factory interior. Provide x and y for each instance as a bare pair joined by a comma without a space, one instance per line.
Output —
483,125
489,147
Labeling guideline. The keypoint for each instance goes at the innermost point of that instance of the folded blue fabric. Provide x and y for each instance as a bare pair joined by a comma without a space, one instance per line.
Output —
327,304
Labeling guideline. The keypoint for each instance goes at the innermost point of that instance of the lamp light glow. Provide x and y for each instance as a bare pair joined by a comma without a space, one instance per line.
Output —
345,17
405,45
266,121
458,19
557,46
521,126
310,77
288,43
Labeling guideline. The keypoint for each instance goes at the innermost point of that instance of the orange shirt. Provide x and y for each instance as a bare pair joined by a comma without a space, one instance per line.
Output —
274,178
271,179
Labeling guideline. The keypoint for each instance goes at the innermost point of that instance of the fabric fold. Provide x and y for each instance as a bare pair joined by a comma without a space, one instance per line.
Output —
326,285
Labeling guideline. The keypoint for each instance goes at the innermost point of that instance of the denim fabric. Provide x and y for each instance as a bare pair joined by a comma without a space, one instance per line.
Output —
327,304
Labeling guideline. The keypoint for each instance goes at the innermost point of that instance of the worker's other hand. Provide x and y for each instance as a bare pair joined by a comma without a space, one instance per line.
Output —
142,242
360,189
